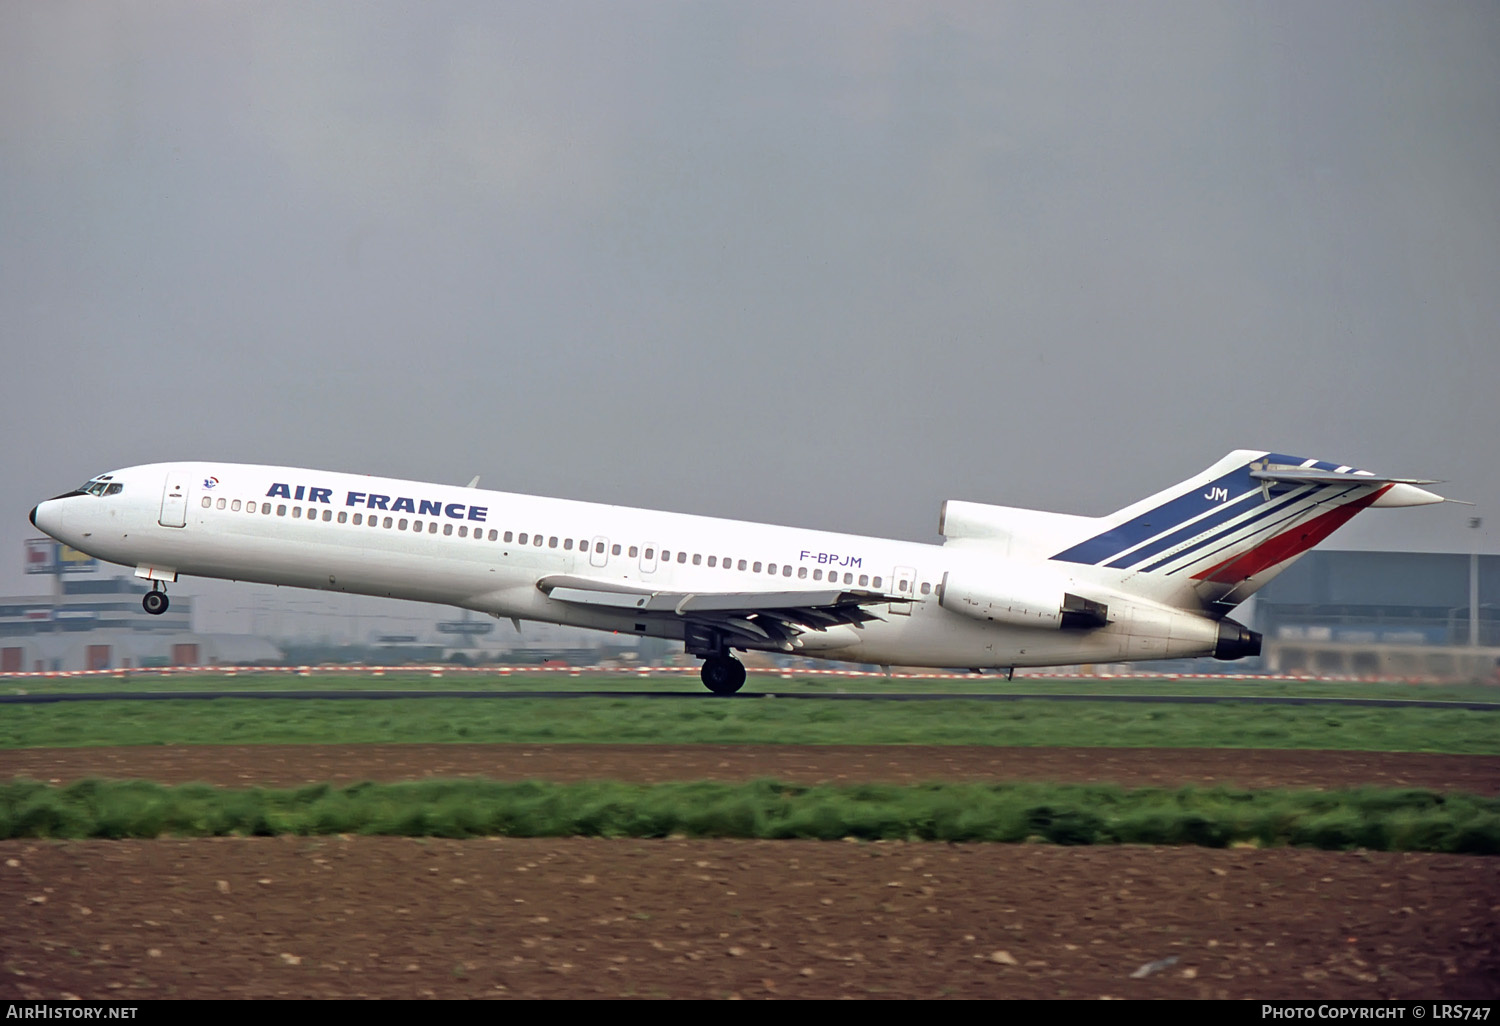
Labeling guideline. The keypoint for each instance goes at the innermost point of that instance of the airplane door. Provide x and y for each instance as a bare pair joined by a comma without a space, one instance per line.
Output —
648,559
903,582
599,551
174,501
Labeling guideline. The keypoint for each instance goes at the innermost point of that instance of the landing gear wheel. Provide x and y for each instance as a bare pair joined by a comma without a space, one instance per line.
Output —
723,675
155,602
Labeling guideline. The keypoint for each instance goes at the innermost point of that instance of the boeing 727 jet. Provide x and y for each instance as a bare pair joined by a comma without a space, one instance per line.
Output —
1006,588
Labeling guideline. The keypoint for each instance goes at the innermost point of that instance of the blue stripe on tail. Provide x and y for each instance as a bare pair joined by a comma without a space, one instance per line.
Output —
1174,513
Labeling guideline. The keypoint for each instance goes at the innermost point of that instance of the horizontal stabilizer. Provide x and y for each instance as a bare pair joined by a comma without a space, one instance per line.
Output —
1397,491
1296,475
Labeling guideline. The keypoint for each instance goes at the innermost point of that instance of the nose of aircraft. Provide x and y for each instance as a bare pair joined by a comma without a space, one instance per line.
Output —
46,517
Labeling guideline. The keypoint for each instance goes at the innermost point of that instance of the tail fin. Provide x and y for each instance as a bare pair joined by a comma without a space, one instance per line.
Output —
1227,531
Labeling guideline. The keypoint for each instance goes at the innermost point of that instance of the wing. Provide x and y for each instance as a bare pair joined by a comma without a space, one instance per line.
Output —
752,618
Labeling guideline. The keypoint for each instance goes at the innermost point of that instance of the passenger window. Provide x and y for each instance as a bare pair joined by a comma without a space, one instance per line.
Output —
713,560
614,550
221,504
280,510
509,537
757,567
682,557
432,526
567,544
387,523
802,573
876,582
742,564
344,516
864,580
633,551
649,553
447,529
817,575
494,534
848,578
786,571
536,540
521,540
327,515
265,509
359,519
463,530
403,524
666,557
234,507
583,545
551,542
207,502
697,559
926,588
417,526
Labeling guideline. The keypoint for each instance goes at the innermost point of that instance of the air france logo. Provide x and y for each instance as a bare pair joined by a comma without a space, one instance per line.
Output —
210,482
388,503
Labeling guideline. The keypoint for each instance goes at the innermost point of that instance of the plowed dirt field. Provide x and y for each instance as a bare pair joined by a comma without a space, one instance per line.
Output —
510,917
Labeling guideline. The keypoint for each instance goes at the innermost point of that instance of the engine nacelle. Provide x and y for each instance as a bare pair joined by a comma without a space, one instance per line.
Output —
1020,599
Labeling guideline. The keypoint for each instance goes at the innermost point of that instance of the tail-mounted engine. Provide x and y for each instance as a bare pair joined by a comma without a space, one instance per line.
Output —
1021,600
1236,641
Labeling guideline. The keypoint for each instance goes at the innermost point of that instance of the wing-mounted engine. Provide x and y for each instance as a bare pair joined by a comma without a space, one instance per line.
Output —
1023,598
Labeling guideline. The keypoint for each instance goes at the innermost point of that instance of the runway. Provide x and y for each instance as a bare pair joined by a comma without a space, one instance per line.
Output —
149,696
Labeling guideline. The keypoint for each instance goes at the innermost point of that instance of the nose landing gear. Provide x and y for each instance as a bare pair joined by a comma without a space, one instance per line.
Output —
723,674
155,601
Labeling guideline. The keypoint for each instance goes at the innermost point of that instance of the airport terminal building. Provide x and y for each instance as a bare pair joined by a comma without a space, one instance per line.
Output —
1399,614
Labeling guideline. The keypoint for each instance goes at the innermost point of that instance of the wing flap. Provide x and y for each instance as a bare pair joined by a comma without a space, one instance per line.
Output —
760,616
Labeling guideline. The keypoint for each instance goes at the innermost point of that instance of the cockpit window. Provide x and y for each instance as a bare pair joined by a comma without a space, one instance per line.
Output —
102,485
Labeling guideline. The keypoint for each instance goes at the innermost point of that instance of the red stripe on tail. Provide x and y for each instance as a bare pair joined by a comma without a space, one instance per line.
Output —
1286,545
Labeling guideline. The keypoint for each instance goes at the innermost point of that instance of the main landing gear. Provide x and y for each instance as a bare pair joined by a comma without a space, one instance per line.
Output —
723,674
155,601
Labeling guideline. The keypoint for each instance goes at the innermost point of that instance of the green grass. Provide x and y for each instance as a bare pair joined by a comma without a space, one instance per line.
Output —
1385,820
753,721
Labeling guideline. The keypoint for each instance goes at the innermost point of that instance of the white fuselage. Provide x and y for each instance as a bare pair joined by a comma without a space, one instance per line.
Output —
487,551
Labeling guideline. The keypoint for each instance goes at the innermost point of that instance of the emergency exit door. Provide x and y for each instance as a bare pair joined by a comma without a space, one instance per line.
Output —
903,582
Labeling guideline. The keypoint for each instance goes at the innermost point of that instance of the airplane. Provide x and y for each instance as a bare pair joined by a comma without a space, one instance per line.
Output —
1007,587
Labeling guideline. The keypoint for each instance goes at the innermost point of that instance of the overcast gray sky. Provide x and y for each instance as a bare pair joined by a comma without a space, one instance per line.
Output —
817,263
